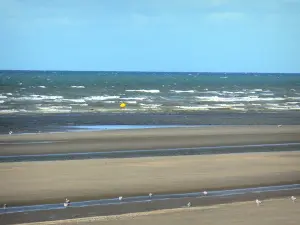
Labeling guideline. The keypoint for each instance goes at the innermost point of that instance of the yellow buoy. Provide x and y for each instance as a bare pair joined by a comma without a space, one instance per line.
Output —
122,105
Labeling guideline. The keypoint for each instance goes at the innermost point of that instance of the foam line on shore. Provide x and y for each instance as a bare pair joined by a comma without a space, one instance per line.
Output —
162,197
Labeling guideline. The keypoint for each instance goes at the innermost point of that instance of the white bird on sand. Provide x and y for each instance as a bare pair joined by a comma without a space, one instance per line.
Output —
205,192
258,202
189,204
120,198
293,198
150,195
10,132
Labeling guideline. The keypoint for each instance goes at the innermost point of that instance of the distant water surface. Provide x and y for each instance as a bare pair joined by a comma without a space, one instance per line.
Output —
69,92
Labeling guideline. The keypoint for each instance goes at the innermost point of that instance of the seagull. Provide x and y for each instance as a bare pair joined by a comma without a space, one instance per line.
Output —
258,202
293,198
150,195
4,206
189,204
205,192
67,203
120,198
279,125
10,132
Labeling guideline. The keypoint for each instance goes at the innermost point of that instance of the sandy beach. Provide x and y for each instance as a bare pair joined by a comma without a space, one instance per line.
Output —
46,182
272,212
163,138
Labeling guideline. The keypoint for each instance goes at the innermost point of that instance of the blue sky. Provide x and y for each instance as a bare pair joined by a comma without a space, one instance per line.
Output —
151,35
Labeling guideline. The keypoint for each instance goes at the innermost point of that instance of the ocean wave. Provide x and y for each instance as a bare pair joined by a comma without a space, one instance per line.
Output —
131,102
236,99
144,90
2,101
210,107
150,106
111,102
294,98
36,98
55,108
70,100
133,98
85,104
42,86
3,97
8,111
182,91
100,98
77,86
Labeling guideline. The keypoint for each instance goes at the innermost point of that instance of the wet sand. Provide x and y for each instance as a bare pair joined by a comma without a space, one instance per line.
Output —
272,212
48,182
162,138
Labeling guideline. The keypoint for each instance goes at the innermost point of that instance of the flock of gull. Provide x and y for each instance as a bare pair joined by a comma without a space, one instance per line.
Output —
189,204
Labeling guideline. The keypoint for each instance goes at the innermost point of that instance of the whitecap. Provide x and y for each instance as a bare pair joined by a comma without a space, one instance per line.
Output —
150,106
236,99
183,91
77,86
100,98
42,86
134,98
1,101
144,90
37,98
204,107
55,108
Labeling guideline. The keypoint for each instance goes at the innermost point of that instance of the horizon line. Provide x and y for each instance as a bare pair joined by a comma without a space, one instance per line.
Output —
147,71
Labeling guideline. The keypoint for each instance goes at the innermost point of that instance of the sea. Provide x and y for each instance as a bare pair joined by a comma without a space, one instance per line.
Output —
83,98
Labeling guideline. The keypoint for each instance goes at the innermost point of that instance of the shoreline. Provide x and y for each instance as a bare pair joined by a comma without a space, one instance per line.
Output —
55,122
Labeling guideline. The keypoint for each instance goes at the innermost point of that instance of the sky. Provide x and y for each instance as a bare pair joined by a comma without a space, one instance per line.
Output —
151,35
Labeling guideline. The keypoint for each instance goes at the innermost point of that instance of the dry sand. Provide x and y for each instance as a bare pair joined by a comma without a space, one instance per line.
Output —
40,182
272,212
147,139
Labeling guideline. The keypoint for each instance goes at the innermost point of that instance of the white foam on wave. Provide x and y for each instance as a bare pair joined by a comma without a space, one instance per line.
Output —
133,98
150,106
293,103
100,98
37,98
8,111
70,100
77,86
210,107
79,104
2,101
55,108
42,86
183,91
144,90
9,94
236,99
294,98
3,97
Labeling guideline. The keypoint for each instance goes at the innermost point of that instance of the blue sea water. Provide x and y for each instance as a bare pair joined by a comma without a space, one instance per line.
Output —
25,92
